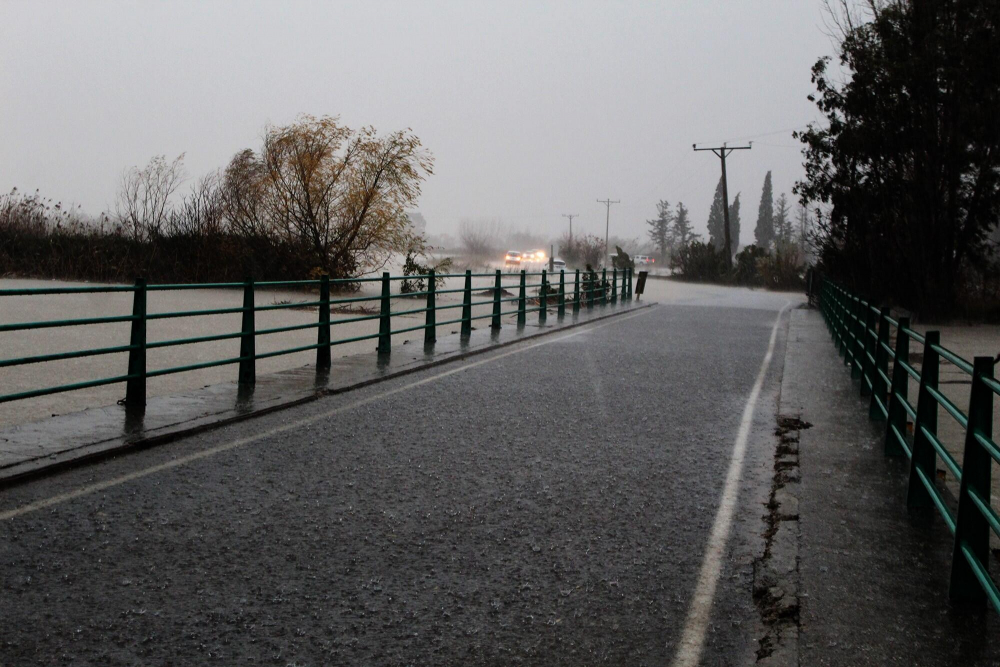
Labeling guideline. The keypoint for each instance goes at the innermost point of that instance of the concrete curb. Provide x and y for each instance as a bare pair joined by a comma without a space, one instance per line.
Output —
297,388
776,582
776,588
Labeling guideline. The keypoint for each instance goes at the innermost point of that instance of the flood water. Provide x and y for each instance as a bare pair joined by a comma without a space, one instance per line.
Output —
17,344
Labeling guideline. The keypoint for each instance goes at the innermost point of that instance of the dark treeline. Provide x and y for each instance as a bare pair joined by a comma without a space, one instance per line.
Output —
38,238
906,165
776,260
317,198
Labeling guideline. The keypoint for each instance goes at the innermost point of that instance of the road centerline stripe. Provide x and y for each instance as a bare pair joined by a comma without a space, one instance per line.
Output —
700,611
240,442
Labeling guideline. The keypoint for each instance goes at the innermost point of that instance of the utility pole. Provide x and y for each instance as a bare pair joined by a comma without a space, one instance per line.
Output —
607,223
570,216
722,152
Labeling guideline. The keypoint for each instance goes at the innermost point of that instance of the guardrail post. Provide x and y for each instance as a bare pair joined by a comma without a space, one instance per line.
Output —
859,322
384,320
521,302
867,358
576,293
497,289
880,368
562,294
323,339
856,352
467,304
838,320
834,309
898,392
604,286
972,530
614,284
829,302
821,302
543,300
135,387
248,338
851,324
430,324
846,324
592,279
924,457
630,272
824,303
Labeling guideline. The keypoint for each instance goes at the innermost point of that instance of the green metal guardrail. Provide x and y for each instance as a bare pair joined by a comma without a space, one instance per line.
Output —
863,333
588,290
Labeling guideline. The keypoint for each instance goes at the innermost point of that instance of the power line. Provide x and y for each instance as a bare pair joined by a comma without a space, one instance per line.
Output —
680,164
673,170
766,134
722,151
607,220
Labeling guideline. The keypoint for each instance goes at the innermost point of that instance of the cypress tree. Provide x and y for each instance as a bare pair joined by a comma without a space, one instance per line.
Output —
782,222
659,228
804,223
717,220
734,224
764,232
681,233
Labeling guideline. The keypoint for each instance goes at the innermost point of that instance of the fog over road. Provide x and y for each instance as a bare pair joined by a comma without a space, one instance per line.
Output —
548,503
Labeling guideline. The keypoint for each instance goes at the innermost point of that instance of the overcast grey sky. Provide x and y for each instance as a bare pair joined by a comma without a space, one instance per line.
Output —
531,109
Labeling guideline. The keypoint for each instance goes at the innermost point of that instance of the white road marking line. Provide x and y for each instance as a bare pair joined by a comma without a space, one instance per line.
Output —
218,449
699,613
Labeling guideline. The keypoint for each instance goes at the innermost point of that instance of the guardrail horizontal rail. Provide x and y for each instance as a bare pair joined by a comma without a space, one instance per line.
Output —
866,345
552,290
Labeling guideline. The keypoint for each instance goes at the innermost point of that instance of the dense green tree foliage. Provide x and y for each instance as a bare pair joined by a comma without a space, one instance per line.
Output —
764,231
717,220
681,231
660,228
906,163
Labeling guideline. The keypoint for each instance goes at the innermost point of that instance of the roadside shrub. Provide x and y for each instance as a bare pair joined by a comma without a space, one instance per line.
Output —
622,260
699,261
582,251
747,268
979,291
784,269
412,267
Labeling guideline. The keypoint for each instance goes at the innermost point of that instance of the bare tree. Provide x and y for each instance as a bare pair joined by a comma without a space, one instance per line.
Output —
243,194
201,212
341,191
481,239
141,205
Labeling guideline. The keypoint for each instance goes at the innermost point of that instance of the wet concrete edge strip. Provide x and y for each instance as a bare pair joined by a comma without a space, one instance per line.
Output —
26,471
776,583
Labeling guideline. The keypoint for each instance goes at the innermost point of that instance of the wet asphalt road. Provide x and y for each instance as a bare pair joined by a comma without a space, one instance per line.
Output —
547,504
